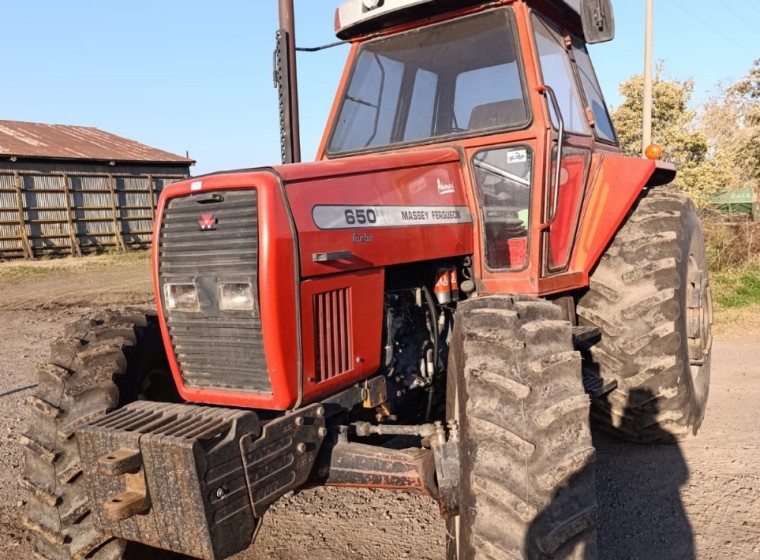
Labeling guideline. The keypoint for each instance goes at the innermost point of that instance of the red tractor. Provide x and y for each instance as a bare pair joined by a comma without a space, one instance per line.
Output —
470,264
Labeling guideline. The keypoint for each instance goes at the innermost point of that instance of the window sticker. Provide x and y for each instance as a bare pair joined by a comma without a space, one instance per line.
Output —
517,156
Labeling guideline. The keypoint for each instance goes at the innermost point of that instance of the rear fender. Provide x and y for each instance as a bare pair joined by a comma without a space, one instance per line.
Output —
618,183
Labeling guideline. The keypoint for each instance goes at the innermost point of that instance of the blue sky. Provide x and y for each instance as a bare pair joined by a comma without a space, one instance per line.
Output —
196,75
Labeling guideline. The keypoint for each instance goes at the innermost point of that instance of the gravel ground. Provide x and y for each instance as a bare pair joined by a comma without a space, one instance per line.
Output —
699,499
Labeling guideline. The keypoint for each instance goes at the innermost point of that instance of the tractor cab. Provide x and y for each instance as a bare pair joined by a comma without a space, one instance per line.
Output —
511,86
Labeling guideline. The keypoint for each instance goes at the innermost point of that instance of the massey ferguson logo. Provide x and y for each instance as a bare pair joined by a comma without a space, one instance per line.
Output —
207,222
445,188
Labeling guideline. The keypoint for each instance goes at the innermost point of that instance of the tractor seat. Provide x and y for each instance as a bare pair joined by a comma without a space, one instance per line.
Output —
499,113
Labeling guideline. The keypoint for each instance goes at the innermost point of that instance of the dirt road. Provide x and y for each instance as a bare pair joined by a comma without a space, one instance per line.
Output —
699,499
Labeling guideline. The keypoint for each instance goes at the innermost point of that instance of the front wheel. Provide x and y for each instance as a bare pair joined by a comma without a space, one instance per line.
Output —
527,474
101,363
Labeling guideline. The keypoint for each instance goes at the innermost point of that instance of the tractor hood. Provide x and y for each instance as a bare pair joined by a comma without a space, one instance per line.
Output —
378,210
247,263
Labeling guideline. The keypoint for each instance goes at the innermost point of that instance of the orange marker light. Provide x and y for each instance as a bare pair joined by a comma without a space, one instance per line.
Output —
653,151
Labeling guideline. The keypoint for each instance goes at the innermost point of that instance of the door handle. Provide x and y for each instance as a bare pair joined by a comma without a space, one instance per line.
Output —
333,256
549,92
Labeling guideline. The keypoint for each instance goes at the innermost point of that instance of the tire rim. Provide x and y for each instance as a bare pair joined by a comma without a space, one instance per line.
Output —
457,519
699,315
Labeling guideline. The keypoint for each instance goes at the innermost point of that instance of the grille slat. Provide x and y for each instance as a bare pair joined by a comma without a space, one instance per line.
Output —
193,345
201,372
188,240
200,209
333,352
192,244
192,229
219,323
200,357
183,271
215,349
244,256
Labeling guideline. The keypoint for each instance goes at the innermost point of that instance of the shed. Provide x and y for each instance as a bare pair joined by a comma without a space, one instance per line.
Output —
745,200
76,189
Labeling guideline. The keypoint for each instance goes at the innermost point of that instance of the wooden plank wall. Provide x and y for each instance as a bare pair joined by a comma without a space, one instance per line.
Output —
73,213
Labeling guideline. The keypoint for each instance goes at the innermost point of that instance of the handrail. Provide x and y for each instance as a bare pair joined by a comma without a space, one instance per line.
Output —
544,90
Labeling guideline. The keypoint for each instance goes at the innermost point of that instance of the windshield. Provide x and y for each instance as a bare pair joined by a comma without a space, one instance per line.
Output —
454,78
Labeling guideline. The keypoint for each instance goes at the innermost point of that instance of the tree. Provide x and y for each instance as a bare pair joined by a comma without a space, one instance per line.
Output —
727,140
731,121
701,171
747,91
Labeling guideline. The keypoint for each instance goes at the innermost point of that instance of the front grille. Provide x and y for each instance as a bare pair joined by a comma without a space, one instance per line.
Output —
215,349
332,318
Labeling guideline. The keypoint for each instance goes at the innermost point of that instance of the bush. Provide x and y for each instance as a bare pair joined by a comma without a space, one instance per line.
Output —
733,254
730,244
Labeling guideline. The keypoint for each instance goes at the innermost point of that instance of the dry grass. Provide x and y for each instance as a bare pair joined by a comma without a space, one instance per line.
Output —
737,323
18,271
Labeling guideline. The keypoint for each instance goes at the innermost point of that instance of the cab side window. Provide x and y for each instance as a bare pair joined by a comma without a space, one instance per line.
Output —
602,122
503,177
557,71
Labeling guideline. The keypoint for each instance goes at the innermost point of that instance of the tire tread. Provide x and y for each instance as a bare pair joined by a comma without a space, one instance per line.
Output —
636,298
81,381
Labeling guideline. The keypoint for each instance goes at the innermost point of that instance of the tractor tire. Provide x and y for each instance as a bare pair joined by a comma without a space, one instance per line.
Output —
650,297
527,461
101,363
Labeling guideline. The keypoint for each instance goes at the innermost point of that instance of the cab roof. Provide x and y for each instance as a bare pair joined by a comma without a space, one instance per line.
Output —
355,18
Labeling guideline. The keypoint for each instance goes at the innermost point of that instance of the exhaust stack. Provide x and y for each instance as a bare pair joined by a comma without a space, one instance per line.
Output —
286,82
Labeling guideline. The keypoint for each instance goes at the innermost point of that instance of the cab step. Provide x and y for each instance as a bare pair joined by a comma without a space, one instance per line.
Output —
586,334
595,386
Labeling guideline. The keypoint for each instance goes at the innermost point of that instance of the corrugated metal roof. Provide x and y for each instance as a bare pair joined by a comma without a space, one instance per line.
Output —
58,141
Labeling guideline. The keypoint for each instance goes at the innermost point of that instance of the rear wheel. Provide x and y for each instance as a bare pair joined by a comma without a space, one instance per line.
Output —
101,363
650,297
527,477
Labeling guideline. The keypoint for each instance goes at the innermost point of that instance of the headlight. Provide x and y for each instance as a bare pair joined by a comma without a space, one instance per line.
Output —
181,297
235,296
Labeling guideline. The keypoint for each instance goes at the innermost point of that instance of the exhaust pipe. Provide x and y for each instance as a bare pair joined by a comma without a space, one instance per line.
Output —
286,82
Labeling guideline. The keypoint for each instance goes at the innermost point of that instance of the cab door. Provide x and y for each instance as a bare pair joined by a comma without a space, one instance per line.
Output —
570,140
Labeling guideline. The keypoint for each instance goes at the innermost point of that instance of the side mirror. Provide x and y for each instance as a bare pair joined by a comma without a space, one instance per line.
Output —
598,20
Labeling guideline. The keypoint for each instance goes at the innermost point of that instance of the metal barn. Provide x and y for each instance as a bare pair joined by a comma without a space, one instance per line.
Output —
76,189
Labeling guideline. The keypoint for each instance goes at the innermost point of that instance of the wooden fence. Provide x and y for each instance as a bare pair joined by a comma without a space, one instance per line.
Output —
62,213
